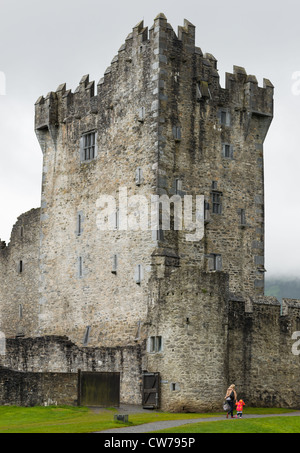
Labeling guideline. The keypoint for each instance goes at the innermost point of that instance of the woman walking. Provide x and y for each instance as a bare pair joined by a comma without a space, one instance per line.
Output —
231,399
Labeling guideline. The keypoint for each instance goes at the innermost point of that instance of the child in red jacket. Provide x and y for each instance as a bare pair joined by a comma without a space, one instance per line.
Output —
239,408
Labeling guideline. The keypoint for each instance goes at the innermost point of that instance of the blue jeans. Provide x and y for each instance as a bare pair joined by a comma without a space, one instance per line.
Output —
231,408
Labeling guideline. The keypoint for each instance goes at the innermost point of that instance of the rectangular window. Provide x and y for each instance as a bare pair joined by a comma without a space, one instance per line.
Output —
155,344
216,262
243,217
217,203
21,267
224,117
20,311
177,133
88,146
178,186
227,151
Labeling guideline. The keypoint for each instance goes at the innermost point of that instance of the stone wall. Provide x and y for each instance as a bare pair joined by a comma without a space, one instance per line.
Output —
19,268
191,101
37,389
60,355
106,296
260,357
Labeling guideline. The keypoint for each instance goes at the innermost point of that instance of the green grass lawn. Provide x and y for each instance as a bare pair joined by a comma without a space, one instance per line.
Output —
260,425
67,419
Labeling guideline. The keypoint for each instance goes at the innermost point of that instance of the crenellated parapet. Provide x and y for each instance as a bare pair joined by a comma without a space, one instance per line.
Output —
158,47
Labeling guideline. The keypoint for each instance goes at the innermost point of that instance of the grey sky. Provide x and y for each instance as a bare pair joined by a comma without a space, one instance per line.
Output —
43,44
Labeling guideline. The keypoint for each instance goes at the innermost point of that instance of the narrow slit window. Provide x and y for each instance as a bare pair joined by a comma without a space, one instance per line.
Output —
243,217
178,186
20,311
79,225
227,151
152,344
80,264
114,264
138,276
139,176
86,336
21,267
217,203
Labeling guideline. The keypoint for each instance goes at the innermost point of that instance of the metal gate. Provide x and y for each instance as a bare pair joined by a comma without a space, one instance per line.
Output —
98,389
151,390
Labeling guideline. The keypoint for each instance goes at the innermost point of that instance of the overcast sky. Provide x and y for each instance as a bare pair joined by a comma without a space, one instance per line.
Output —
46,43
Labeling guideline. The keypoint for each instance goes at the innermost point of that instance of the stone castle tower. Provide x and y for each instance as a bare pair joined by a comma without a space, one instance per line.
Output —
157,124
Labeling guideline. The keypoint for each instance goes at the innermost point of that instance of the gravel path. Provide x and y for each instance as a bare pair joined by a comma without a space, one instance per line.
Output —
156,426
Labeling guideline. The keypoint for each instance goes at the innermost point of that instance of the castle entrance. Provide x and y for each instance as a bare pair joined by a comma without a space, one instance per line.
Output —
151,390
98,389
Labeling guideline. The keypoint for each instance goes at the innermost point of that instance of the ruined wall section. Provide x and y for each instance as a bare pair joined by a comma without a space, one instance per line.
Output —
19,283
107,296
262,363
192,159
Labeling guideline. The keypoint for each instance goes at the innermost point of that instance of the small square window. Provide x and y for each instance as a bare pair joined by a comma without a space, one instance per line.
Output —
155,344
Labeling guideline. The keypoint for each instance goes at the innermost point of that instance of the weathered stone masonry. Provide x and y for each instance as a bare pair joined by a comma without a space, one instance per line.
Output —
158,123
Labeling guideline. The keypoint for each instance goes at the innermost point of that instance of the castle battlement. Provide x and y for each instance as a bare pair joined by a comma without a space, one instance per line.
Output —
157,47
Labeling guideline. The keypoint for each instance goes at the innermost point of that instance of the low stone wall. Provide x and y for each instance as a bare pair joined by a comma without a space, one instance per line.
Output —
37,389
59,355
